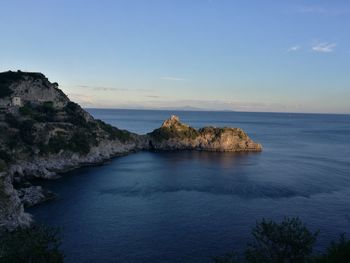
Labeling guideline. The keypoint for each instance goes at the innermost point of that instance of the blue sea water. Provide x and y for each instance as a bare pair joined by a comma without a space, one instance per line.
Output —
189,206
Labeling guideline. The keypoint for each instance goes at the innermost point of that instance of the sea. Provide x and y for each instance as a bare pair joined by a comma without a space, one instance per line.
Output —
188,206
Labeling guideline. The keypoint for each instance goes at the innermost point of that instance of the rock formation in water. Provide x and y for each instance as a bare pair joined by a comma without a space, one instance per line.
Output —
174,135
43,132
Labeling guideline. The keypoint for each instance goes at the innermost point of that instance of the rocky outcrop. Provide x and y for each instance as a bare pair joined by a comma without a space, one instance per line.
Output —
43,134
34,195
11,209
29,87
174,135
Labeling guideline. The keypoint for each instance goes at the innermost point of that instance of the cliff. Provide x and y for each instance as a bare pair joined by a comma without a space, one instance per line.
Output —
44,133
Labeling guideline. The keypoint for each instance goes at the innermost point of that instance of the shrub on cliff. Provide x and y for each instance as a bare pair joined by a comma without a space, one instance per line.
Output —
11,120
44,112
37,244
26,131
80,142
113,132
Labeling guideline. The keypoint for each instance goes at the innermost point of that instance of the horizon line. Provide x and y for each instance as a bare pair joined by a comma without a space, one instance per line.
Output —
209,110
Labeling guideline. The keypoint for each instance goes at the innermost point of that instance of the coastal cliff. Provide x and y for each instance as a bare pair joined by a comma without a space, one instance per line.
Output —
43,134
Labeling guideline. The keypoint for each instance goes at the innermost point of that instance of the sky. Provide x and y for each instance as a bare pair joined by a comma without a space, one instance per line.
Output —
243,55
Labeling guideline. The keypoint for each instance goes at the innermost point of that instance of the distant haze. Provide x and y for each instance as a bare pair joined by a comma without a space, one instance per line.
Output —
284,56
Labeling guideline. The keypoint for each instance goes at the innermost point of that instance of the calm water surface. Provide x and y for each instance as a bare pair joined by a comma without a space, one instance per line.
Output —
188,206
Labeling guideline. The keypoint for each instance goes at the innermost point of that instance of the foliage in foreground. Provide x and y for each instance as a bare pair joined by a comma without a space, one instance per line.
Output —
287,242
338,251
37,244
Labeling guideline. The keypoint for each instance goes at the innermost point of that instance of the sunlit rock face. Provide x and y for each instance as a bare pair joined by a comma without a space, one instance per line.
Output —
174,135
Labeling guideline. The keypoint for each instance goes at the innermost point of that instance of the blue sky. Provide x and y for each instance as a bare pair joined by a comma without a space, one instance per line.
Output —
289,56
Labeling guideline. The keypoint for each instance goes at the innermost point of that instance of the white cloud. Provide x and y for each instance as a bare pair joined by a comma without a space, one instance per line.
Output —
294,48
324,47
171,78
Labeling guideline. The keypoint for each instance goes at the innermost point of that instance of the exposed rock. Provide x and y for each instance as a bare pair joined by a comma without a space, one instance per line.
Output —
12,213
34,195
30,87
174,135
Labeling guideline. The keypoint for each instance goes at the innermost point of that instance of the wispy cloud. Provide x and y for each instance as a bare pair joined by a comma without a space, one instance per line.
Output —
101,88
324,47
171,78
152,96
294,48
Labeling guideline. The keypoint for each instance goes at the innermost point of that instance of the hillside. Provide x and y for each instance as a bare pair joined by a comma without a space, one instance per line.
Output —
42,132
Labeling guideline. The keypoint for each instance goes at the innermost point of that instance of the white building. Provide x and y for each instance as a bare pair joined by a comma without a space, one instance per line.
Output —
16,101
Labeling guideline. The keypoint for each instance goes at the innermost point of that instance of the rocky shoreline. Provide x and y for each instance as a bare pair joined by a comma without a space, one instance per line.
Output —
54,135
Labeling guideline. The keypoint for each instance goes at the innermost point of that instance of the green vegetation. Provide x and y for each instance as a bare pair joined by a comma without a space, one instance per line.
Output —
26,131
12,120
77,138
44,112
80,142
74,115
287,242
57,143
175,131
113,132
26,128
37,244
71,107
